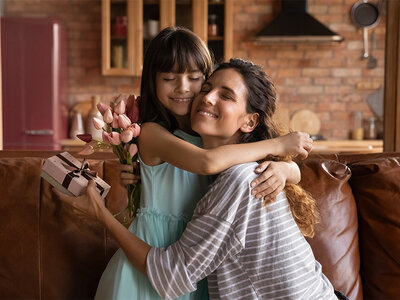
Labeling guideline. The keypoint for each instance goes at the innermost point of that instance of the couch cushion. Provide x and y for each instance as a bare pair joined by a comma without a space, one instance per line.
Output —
335,244
376,186
19,228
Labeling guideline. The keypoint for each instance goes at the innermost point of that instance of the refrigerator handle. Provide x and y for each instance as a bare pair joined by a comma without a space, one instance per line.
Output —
39,132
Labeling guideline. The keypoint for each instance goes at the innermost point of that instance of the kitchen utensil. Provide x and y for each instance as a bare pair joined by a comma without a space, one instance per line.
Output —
372,61
305,120
365,15
375,101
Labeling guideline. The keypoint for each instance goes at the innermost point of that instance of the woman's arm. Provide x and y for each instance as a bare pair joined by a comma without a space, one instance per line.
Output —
157,145
90,205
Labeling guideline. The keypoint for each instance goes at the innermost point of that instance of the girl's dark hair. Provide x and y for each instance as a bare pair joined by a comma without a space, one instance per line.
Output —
172,46
261,99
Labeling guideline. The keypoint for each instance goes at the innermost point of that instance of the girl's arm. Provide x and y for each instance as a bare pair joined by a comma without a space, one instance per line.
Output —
273,177
157,145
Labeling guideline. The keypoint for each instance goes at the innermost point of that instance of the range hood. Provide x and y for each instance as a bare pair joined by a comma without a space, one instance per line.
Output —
294,24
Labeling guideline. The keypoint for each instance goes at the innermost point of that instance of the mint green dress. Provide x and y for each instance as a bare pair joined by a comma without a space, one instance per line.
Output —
169,196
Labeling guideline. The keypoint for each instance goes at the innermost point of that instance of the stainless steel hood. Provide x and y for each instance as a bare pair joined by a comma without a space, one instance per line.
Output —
294,24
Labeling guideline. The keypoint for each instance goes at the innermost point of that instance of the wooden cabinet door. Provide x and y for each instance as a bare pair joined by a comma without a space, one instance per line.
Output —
122,48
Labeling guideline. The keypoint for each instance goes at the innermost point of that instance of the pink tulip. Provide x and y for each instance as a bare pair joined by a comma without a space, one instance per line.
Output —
106,137
132,108
108,117
126,135
102,107
98,124
114,138
136,129
123,121
120,107
114,123
85,137
133,149
87,150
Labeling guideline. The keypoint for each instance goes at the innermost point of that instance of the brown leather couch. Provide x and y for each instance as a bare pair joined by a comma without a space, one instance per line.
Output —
48,253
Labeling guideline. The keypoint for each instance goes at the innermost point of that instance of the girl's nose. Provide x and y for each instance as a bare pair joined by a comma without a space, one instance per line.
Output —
183,85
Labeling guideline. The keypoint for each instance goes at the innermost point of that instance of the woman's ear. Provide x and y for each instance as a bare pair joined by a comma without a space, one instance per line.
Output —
251,122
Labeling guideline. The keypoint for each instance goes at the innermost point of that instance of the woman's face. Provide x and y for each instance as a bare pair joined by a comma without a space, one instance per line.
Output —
219,111
176,91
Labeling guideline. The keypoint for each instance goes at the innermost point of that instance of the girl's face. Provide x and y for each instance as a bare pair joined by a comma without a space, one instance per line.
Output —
219,111
176,91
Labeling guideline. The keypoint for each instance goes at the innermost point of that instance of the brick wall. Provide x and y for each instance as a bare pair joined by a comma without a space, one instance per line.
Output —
331,80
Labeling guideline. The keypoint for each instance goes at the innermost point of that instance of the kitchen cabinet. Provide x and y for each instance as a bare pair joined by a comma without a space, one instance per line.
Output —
129,25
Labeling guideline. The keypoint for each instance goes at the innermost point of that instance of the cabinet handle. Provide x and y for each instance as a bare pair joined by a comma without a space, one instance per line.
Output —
39,132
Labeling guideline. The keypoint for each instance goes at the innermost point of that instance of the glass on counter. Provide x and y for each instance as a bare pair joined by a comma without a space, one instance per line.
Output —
357,131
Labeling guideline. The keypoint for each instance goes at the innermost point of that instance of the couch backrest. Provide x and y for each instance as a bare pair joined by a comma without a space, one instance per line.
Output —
357,192
46,252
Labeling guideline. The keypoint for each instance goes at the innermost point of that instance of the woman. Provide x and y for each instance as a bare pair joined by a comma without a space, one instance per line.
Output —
247,250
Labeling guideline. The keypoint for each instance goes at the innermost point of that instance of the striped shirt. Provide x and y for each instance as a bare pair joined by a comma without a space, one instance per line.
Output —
248,251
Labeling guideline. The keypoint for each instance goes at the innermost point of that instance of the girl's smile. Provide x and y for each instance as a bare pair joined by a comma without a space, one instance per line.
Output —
176,91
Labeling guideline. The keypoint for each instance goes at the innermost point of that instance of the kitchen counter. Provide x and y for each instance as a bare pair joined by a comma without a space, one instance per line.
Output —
347,146
329,146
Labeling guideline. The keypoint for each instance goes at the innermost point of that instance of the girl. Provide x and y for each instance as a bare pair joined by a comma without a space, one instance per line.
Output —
174,69
249,251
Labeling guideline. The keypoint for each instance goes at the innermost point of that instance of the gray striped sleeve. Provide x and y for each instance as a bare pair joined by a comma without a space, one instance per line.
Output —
205,244
209,239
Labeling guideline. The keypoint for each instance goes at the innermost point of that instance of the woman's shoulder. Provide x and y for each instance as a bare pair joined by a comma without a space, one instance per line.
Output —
238,174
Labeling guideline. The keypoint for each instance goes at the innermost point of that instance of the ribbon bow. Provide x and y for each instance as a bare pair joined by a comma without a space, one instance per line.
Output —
75,171
82,171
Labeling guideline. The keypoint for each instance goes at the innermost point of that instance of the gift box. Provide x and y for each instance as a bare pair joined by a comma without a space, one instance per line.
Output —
70,176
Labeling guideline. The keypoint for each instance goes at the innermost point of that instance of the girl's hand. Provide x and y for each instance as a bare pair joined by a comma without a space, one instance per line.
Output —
294,143
271,181
129,173
89,205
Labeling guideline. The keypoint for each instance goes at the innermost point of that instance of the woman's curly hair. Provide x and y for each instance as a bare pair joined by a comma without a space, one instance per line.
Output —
261,99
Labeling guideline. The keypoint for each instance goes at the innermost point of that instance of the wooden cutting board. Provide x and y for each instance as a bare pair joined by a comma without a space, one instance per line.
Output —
305,120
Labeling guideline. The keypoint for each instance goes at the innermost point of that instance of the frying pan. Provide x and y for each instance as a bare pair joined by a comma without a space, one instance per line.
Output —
365,15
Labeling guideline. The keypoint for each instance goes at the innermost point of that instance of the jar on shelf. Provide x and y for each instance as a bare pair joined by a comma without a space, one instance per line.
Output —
212,26
119,28
118,56
370,132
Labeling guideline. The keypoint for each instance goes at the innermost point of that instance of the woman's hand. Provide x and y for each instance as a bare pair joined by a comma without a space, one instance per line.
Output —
294,143
271,181
129,173
89,205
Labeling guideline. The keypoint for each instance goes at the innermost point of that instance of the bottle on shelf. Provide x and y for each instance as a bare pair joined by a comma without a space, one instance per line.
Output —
212,26
357,132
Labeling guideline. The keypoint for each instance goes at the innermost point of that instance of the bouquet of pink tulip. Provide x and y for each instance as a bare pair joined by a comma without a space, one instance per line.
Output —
120,132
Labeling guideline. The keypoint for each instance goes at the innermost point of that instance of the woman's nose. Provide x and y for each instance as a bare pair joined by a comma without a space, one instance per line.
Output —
210,98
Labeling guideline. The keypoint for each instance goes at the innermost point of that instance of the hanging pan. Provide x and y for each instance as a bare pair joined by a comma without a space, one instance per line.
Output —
365,15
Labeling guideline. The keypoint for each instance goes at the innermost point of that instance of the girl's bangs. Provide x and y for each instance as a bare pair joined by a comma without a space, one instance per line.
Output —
184,57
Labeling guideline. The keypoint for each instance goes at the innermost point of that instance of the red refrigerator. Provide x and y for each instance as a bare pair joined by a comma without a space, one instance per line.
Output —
34,82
